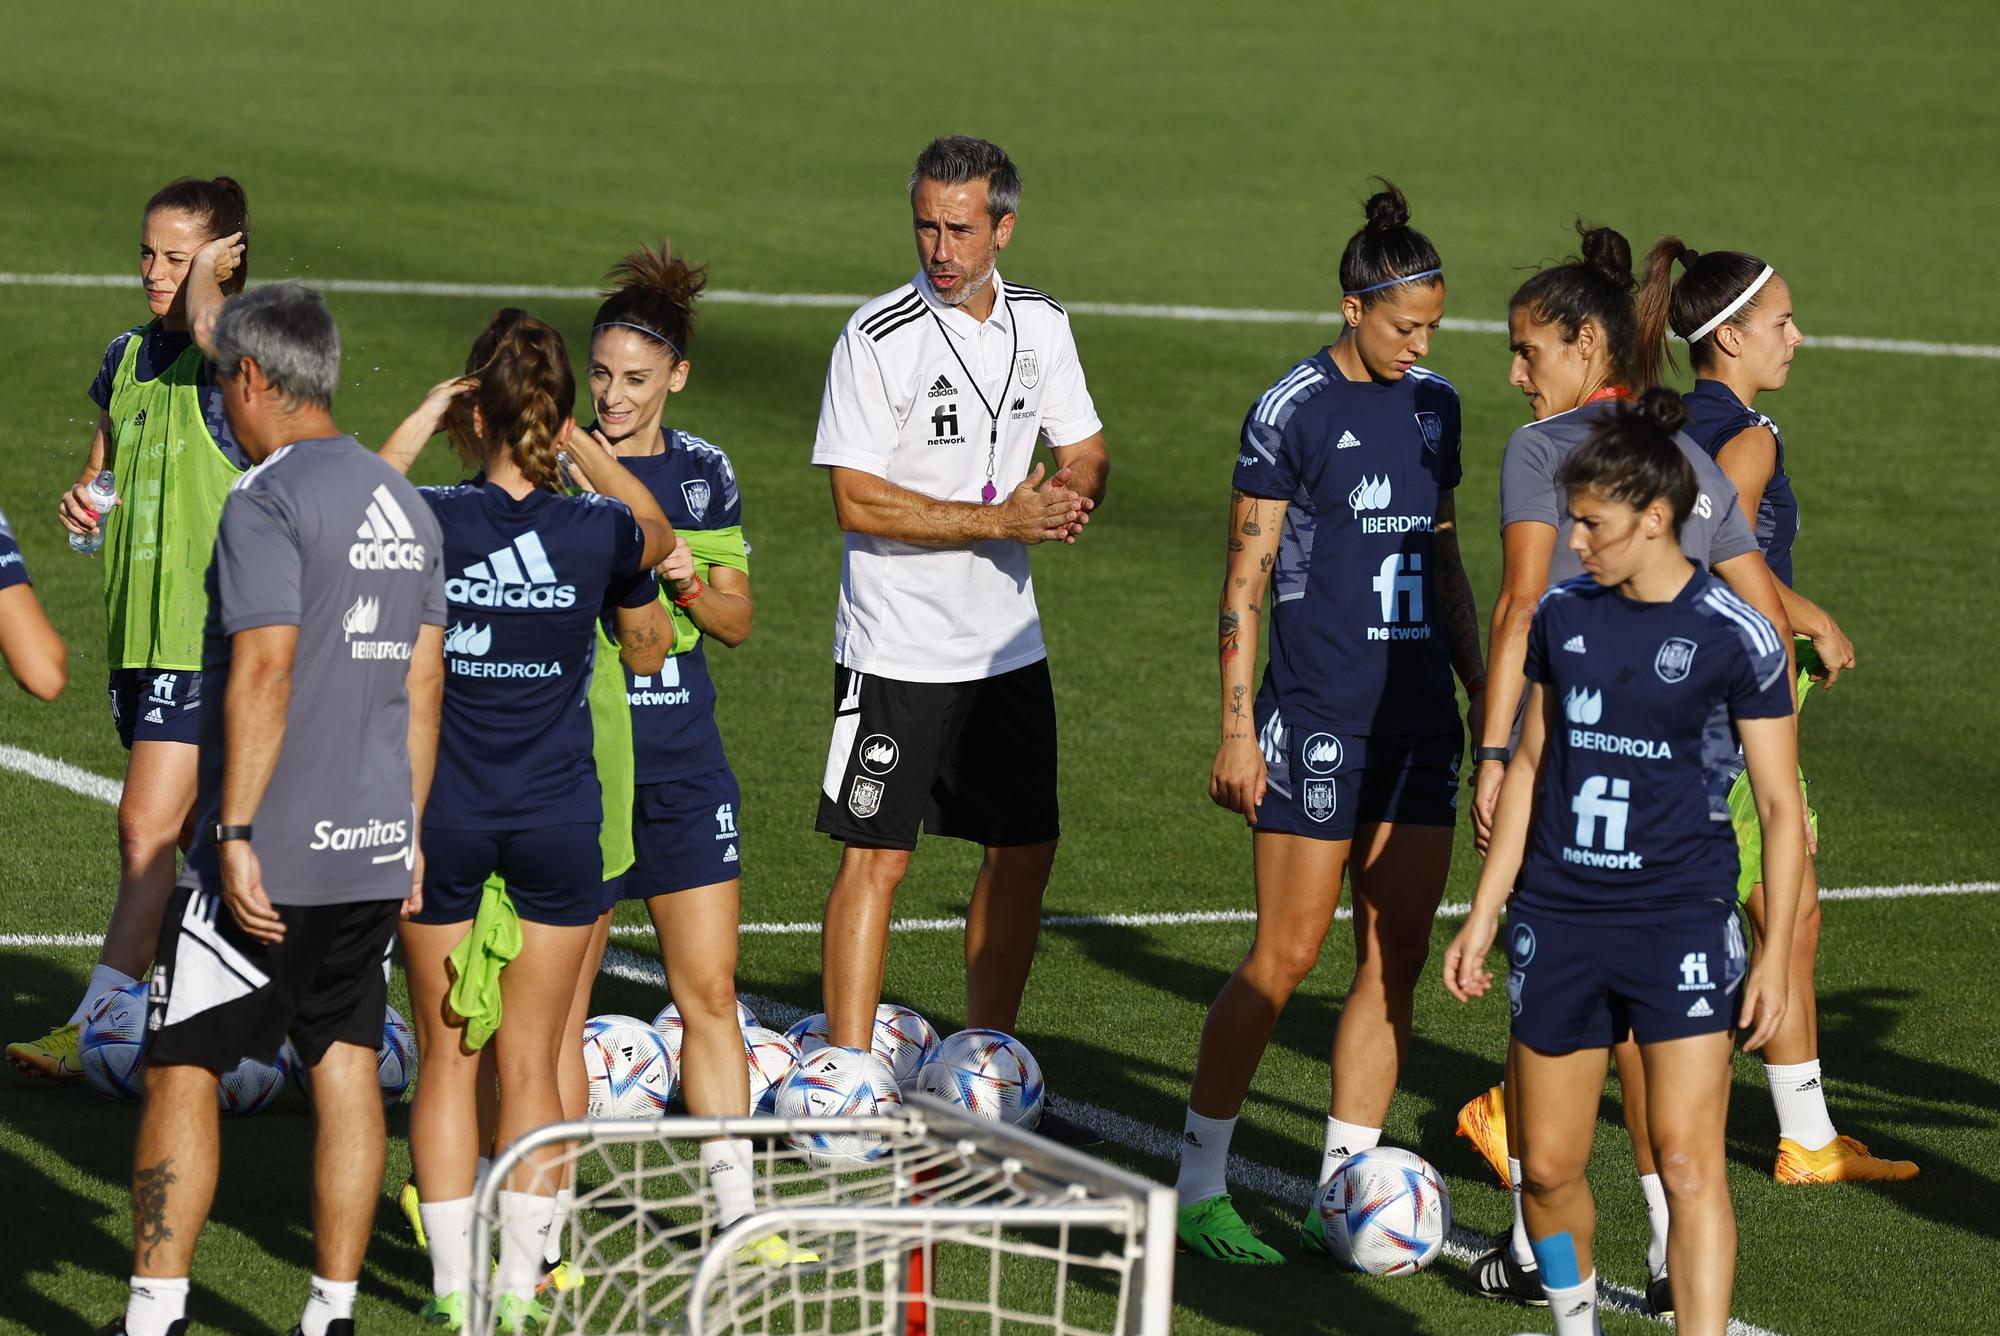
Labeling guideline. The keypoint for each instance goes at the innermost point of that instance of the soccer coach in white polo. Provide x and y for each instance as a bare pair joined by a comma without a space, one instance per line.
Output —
944,718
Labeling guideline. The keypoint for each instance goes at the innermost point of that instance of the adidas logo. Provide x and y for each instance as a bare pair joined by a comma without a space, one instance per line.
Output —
387,542
1701,1008
1574,645
1583,1306
942,388
1348,441
516,576
1191,1139
1809,1085
729,854
153,716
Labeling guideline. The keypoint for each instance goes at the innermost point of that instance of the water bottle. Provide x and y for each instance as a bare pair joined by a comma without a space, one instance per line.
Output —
103,494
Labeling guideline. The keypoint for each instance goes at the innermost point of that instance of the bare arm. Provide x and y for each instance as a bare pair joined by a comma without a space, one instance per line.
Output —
1771,754
1750,457
211,267
864,503
1754,584
259,693
74,508
1089,467
425,684
645,637
1461,611
1465,972
722,609
35,655
1527,548
414,432
1238,778
590,455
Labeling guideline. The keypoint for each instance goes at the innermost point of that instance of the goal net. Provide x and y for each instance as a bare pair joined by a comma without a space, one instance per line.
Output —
958,1224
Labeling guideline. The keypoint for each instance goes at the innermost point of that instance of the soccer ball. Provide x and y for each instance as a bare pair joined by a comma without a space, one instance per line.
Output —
671,1027
772,1057
252,1086
832,1083
630,1071
1385,1212
900,1037
987,1073
395,1060
607,1020
111,1046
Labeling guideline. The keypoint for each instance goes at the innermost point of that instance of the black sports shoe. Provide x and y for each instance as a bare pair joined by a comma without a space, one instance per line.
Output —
1063,1131
1660,1296
1497,1275
116,1327
340,1326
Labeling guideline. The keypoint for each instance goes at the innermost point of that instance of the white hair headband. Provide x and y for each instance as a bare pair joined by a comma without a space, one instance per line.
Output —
1720,316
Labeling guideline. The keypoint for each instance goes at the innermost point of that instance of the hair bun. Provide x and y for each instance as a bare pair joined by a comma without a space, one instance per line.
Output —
1663,406
1387,209
1606,250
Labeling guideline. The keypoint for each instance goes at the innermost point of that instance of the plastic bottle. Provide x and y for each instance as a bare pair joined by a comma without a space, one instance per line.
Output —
103,494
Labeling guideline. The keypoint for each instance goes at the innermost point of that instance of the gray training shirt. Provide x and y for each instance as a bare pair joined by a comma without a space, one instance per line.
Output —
325,537
1714,533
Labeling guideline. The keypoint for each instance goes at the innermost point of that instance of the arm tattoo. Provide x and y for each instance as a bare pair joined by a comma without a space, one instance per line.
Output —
1252,529
1236,695
149,1205
1228,630
1461,611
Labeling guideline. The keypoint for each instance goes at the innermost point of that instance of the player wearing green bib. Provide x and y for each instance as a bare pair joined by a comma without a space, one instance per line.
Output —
161,430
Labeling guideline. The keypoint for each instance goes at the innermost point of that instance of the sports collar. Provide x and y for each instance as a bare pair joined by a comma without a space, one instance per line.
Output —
956,321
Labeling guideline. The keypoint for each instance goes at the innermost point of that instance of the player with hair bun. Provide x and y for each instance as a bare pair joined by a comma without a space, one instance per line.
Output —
1346,761
162,431
1735,313
1610,857
529,570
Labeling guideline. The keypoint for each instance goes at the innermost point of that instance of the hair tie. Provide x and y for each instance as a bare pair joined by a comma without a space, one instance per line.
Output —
1732,308
1688,257
1390,283
672,347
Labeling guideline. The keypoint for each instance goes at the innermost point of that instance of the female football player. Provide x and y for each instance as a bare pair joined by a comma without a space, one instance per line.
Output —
1735,314
160,429
1347,760
1611,824
34,653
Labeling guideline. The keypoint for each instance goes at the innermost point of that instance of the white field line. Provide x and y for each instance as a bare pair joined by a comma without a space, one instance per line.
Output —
846,300
61,773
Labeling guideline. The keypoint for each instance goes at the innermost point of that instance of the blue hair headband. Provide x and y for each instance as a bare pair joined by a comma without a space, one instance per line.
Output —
1406,278
672,347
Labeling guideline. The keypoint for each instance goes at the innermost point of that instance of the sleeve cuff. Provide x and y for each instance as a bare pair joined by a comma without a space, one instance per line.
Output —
250,621
1070,433
874,465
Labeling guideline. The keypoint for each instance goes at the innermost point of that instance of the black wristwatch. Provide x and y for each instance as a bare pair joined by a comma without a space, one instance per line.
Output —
1500,754
224,834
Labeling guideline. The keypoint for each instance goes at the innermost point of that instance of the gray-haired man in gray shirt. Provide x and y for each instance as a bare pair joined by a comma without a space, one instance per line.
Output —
325,647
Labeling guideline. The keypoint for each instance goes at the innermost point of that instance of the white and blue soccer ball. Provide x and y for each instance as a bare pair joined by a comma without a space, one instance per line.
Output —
606,1021
900,1037
838,1082
673,1029
772,1056
988,1073
252,1086
1385,1211
395,1059
631,1074
112,1044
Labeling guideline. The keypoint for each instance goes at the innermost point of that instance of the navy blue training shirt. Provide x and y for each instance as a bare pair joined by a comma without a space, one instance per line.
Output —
674,734
160,348
524,582
1715,417
1357,645
13,570
1632,816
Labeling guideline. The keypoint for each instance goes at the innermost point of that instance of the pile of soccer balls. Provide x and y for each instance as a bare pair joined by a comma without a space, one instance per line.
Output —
111,1050
634,1070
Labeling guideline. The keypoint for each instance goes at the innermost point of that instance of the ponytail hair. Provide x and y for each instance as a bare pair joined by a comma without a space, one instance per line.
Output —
1632,457
524,390
1594,285
219,206
1708,284
653,291
1387,252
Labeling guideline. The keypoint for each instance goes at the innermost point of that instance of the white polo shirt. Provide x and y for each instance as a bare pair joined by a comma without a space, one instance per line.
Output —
898,405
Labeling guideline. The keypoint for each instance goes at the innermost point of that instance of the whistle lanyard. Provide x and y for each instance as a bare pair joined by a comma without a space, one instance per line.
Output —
989,491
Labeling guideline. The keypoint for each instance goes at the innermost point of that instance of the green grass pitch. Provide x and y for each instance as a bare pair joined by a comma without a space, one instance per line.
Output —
1174,153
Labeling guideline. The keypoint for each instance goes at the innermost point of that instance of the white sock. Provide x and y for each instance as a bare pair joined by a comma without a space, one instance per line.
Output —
1656,1216
552,1252
103,979
730,1174
524,1232
1800,1099
1575,1308
448,1231
1343,1140
1204,1157
1517,1239
156,1303
330,1301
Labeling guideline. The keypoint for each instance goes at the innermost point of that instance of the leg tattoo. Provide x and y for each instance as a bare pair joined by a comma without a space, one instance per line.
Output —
149,1206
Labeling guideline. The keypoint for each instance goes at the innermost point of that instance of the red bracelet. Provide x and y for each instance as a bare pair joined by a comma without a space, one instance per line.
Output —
682,600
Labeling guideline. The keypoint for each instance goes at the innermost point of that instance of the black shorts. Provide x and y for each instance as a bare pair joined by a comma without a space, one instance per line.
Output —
156,705
554,874
972,760
684,834
220,996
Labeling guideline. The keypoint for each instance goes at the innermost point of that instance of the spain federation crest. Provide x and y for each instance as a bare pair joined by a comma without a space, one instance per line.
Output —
695,492
1318,799
1432,426
1027,369
865,798
1676,656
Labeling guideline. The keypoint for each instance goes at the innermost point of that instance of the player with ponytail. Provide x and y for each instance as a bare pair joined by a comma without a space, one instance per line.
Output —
1614,869
511,835
1735,314
161,430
